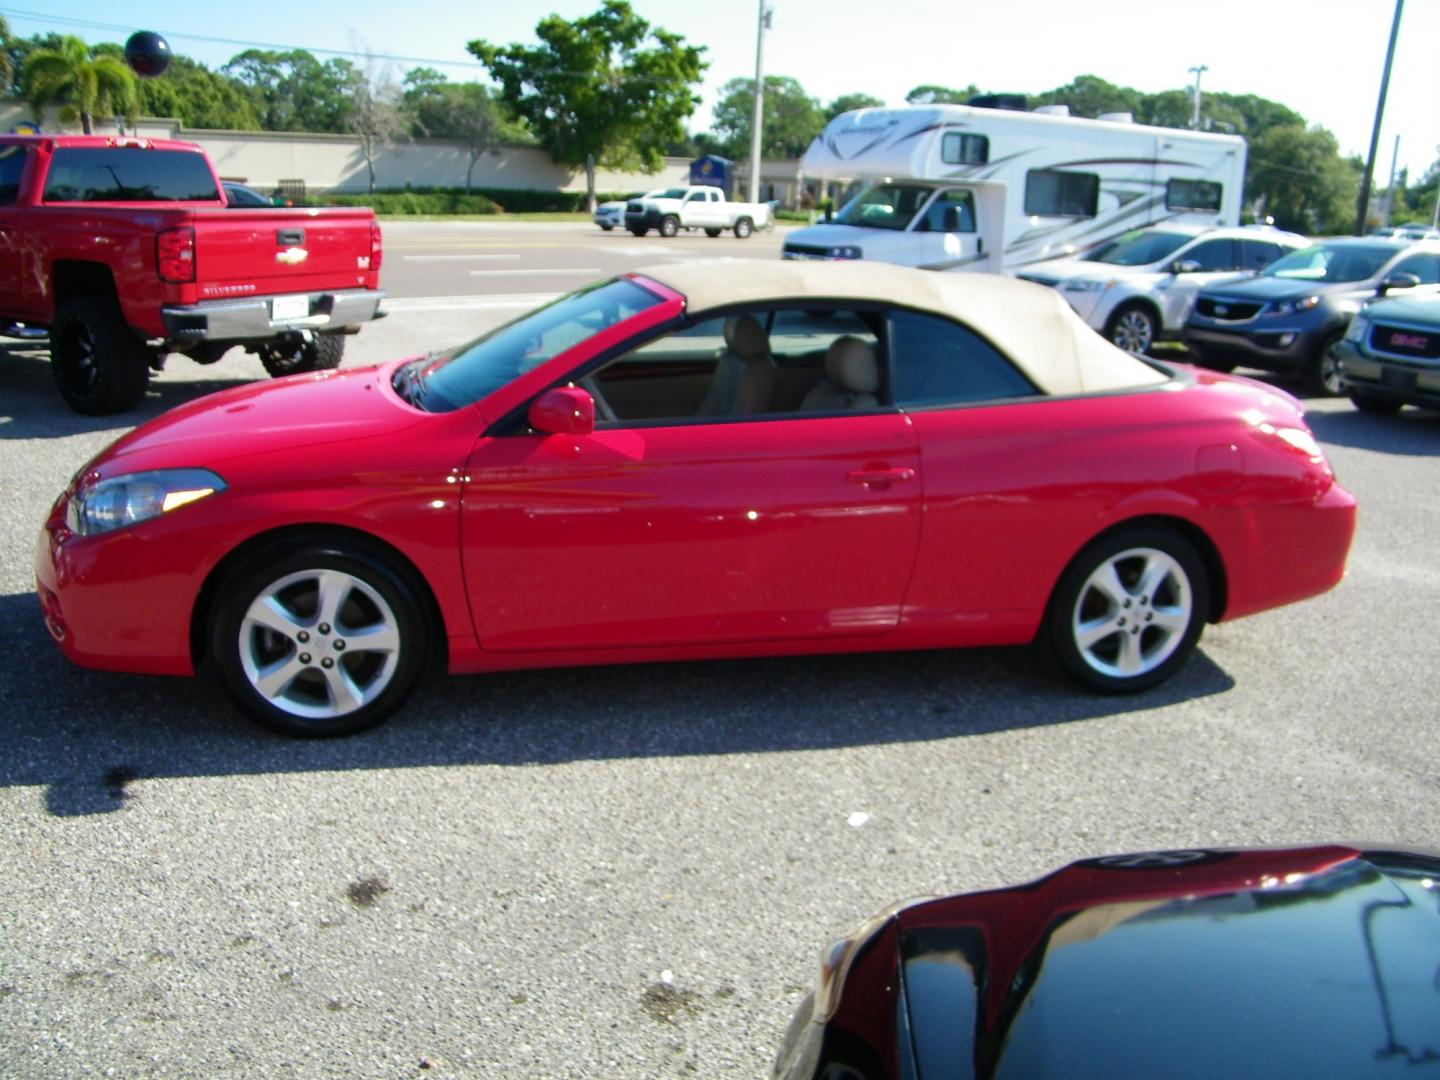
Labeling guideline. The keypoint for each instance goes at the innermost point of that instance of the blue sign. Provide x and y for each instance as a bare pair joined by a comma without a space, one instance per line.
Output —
714,171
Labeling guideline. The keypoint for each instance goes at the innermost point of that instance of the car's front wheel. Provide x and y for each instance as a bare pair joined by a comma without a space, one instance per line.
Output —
319,640
1132,328
1128,610
607,228
669,226
1322,374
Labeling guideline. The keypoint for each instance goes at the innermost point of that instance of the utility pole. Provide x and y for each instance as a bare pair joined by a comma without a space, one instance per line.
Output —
1195,116
1390,199
762,24
1364,201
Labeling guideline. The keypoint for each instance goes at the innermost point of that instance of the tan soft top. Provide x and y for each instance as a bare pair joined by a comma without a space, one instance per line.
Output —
1029,323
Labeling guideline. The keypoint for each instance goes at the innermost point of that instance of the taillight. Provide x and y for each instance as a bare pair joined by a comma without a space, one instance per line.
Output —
175,254
377,249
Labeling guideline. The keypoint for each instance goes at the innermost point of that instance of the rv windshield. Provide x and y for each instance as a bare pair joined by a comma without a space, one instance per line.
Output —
1139,247
884,206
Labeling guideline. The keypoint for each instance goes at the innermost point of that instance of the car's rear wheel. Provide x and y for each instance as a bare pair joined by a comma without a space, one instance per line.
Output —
1322,374
669,226
1132,328
296,354
1377,406
100,366
321,640
1128,610
743,228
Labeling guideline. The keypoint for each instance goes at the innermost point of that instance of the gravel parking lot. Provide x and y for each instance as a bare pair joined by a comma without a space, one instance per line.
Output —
626,871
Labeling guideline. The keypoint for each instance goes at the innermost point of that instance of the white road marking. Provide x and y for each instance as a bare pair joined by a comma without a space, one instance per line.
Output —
454,258
587,270
405,304
648,252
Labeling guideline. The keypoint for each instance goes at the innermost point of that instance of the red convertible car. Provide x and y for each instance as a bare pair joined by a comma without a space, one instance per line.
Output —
703,460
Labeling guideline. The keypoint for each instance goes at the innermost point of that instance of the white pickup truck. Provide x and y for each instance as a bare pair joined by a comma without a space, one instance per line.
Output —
706,208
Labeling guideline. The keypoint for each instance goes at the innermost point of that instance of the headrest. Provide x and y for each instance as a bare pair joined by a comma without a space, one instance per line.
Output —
746,337
850,364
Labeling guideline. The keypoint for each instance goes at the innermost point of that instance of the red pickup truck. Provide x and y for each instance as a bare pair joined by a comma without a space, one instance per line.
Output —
124,250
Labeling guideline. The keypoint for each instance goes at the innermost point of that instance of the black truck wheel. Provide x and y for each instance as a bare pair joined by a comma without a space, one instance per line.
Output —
295,355
100,366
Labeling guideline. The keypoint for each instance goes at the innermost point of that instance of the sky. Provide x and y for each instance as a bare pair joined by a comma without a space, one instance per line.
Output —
1322,58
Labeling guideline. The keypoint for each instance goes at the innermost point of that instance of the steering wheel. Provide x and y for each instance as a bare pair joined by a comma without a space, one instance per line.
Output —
602,407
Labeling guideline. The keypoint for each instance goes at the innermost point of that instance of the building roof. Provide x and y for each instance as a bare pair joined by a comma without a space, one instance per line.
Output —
1030,323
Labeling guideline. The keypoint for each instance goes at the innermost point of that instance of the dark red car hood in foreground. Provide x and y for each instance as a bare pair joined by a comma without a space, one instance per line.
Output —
1309,963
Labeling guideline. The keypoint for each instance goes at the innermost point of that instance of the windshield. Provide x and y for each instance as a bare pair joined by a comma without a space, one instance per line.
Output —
1138,247
462,376
884,206
1331,262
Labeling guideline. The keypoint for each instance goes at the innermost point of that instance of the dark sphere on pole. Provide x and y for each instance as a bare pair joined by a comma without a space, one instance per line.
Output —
147,53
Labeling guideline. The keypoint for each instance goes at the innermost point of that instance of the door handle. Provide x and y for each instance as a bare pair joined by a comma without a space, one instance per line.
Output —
881,477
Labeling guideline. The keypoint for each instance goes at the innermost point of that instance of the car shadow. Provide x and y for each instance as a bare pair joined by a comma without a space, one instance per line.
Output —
31,407
92,739
1411,432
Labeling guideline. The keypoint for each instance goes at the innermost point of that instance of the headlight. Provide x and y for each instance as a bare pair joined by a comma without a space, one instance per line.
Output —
845,253
121,501
1086,285
1290,307
1357,330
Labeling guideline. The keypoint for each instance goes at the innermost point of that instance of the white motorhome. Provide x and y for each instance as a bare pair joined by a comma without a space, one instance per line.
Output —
960,187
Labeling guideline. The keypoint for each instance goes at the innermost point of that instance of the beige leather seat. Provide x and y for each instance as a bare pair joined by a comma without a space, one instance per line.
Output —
852,379
744,380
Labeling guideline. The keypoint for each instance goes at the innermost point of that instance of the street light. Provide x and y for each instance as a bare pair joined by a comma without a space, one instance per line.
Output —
762,25
1195,117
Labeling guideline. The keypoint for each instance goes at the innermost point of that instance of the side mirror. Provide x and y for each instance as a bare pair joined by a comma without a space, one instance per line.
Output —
1400,280
563,410
1184,266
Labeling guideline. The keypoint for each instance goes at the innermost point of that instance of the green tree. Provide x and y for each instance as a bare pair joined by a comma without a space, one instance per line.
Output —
1298,177
464,112
930,94
792,118
849,103
594,90
84,86
293,91
193,94
1090,95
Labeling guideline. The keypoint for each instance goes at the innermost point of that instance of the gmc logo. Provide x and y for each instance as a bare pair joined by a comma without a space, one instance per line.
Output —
1409,341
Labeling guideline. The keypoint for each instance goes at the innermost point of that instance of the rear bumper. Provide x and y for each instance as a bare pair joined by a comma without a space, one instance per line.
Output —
256,318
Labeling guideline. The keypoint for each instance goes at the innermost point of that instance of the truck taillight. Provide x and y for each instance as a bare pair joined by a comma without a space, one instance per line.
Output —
377,249
175,254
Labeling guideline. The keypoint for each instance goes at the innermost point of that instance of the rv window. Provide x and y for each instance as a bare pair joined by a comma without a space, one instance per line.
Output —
1192,195
960,149
1052,193
938,362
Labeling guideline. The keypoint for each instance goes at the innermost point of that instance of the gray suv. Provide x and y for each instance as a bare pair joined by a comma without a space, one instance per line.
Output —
1291,316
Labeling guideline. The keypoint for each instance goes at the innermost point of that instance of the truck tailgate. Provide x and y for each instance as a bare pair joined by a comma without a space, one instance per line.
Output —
263,252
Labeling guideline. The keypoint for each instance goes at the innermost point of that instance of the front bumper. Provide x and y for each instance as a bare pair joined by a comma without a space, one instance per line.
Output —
1389,380
1271,344
260,318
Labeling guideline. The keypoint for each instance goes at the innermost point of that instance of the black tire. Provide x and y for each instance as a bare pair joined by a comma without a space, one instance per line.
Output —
712,233
1321,375
294,355
210,352
1133,327
669,226
316,671
100,366
606,228
1374,406
637,230
1123,631
743,228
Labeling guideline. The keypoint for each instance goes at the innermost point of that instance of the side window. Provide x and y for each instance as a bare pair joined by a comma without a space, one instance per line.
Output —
951,211
1052,193
1213,255
1257,253
938,362
957,148
1425,267
1193,195
12,168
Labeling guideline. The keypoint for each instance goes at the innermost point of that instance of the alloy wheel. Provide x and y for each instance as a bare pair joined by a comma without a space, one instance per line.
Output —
1132,612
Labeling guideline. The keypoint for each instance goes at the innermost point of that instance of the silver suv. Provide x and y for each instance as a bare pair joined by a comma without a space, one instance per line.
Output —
1138,288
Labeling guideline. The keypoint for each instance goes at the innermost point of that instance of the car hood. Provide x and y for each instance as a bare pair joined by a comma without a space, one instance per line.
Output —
1278,288
833,235
285,415
1410,309
614,204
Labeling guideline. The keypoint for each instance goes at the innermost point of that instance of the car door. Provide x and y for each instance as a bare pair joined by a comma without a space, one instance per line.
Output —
674,530
945,235
13,159
1217,259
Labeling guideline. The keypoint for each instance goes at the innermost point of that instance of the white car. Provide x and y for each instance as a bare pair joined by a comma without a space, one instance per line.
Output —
1138,288
610,214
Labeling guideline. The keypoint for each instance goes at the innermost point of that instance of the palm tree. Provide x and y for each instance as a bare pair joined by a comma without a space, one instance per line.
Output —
84,86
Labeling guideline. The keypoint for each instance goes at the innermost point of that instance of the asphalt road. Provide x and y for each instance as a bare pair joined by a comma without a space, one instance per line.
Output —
630,871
